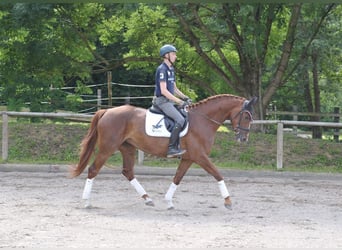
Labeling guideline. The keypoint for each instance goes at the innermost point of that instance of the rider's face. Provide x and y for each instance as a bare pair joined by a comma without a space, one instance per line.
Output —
172,56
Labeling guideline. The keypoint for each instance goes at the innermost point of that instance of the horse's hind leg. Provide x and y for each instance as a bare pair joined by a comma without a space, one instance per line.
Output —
93,170
128,156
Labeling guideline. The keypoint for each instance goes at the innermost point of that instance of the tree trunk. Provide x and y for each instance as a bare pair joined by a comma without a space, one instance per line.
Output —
307,90
316,131
276,82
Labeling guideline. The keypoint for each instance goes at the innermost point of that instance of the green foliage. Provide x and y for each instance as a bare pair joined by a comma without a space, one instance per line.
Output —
73,102
328,47
226,48
145,27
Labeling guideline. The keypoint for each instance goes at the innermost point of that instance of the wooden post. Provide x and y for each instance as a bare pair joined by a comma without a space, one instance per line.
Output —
280,141
140,157
4,136
109,83
337,120
295,118
99,94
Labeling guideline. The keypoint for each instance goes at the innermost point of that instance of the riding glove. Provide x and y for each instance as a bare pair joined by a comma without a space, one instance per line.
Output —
187,100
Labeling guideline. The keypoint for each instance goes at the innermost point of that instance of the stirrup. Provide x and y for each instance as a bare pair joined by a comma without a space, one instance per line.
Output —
175,153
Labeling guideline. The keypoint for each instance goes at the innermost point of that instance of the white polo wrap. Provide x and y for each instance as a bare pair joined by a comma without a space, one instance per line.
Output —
223,189
87,189
135,183
169,194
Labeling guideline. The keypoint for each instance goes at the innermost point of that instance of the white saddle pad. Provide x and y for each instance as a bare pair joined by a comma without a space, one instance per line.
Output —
155,126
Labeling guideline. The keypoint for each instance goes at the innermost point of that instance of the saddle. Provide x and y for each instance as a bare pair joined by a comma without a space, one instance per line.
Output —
159,125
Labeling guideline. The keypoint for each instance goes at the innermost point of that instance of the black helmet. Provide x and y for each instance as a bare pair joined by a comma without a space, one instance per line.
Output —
167,48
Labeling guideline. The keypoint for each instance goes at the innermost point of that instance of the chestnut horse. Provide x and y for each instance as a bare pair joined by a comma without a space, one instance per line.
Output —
123,128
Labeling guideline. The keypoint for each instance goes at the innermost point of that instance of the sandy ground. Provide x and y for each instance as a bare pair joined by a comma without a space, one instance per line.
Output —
270,209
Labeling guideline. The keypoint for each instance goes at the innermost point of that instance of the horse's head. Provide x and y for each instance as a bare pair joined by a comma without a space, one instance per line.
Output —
241,121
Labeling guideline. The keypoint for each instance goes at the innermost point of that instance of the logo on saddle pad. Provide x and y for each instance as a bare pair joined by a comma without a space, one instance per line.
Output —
157,125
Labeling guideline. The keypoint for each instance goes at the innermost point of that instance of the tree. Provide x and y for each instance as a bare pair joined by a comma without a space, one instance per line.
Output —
254,34
62,45
24,53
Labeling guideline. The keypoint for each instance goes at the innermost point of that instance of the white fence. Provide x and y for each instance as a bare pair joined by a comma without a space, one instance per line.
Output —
87,118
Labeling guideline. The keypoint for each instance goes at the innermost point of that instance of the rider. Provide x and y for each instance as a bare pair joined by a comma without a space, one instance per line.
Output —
166,93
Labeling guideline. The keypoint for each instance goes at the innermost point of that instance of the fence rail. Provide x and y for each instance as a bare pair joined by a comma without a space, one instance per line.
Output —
296,113
86,118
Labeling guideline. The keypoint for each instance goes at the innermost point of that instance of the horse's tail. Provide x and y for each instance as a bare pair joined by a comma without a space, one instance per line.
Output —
87,145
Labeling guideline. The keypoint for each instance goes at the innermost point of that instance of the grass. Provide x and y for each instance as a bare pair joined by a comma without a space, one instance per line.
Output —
58,143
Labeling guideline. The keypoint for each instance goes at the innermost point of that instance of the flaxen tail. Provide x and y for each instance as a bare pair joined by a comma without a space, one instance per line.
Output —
87,145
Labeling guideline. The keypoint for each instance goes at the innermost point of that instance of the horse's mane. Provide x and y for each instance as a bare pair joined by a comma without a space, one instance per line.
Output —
210,98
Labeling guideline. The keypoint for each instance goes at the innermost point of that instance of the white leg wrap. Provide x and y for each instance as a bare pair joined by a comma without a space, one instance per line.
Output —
223,189
169,194
135,183
87,189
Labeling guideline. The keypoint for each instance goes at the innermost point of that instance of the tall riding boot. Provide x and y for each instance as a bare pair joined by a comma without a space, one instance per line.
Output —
173,150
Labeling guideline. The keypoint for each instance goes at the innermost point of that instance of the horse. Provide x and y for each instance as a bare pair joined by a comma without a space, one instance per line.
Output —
122,129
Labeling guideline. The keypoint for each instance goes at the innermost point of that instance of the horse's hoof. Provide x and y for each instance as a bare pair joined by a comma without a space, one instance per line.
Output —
228,203
88,206
149,203
170,205
228,206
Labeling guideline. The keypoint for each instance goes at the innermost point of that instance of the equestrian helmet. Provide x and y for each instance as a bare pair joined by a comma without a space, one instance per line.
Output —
167,48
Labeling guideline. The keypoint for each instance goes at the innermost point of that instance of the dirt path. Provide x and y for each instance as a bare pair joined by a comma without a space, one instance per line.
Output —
41,209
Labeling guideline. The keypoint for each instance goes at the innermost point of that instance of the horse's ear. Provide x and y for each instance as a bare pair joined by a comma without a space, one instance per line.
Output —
254,100
251,102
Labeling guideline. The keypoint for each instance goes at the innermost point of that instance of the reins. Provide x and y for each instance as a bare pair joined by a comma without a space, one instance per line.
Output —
206,117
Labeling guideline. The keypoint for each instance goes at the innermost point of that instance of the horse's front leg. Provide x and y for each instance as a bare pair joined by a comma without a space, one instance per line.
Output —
225,194
128,156
181,170
208,166
141,191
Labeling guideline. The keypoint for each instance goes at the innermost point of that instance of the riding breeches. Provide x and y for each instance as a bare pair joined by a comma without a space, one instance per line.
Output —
169,109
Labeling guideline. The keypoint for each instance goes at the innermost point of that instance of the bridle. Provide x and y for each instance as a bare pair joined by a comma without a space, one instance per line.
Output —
238,128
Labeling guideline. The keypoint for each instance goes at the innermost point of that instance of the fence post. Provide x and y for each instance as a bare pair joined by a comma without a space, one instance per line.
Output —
336,119
109,86
280,140
4,136
140,157
295,118
99,97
